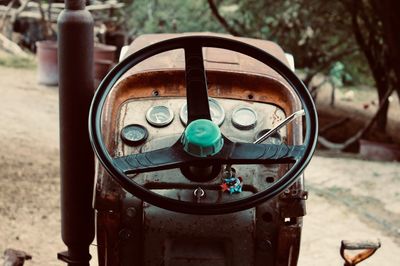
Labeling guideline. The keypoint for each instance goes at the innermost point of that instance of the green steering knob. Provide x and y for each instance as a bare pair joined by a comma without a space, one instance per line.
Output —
202,138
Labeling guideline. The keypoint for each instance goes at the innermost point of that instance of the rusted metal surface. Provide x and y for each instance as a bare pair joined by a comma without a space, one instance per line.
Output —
287,252
230,76
76,155
292,203
185,239
104,52
367,247
252,88
108,227
104,59
47,71
47,56
119,232
215,59
14,257
101,68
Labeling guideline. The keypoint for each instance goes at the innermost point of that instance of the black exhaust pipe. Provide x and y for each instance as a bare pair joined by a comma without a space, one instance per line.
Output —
76,88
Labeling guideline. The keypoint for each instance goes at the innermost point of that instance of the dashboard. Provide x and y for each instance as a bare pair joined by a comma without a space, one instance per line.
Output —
144,123
153,123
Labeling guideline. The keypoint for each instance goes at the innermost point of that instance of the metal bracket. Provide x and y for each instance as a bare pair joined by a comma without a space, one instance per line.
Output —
292,203
65,257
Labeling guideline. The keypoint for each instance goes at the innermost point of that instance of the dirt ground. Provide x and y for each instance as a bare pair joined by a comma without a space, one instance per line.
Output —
349,198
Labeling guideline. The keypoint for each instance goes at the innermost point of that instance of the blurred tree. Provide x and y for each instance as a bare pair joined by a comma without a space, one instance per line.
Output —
319,34
163,16
375,25
314,31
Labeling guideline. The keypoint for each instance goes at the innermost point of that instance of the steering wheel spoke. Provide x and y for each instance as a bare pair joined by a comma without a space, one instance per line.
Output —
232,153
161,159
265,153
196,84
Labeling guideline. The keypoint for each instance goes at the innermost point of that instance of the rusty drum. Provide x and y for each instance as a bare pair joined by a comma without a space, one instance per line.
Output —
47,70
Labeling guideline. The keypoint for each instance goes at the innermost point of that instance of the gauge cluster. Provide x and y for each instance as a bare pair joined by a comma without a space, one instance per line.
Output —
149,124
217,112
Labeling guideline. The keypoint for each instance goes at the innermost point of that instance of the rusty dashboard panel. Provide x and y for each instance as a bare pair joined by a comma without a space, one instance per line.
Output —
134,112
236,86
173,182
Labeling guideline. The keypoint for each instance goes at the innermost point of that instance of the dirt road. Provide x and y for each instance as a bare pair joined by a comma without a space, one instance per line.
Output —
349,198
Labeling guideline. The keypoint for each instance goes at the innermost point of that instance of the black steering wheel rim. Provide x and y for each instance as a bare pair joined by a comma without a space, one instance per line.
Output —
139,191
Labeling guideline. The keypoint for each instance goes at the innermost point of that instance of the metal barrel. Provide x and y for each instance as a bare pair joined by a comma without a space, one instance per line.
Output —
75,55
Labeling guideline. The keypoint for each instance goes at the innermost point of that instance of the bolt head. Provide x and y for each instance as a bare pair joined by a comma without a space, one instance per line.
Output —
131,212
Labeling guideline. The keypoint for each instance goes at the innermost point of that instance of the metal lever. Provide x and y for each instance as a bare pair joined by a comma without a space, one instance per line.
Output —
368,249
286,121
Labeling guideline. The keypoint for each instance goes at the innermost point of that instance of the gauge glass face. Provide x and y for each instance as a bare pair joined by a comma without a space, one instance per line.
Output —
244,118
134,134
216,111
159,116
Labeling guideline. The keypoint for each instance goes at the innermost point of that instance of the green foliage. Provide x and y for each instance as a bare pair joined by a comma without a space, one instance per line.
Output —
315,31
337,74
318,33
17,61
357,67
163,16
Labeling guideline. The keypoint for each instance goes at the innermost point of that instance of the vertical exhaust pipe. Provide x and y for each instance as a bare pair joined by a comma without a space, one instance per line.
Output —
76,88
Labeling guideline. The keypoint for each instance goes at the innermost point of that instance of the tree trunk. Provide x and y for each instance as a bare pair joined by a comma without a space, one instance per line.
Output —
388,12
381,121
376,52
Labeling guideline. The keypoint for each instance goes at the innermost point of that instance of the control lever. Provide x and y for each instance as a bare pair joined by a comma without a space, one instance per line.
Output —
284,122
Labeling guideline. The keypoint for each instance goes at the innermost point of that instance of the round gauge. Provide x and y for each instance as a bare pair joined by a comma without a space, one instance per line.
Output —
244,118
216,111
273,139
159,116
134,134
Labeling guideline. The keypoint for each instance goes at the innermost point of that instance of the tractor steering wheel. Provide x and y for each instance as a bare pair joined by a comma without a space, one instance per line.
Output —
192,148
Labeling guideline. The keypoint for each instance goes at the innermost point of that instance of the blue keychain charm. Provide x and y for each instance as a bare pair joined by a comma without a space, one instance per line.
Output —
232,184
